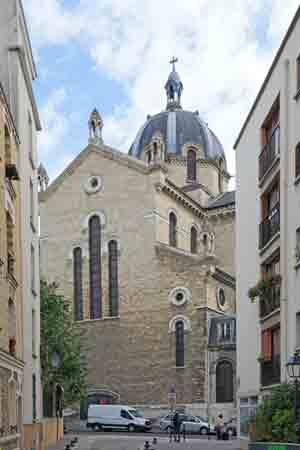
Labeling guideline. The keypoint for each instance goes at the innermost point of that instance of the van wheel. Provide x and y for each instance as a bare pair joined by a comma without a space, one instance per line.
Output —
97,427
131,428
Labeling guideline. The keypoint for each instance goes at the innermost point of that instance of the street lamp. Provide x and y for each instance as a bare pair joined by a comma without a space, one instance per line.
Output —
293,370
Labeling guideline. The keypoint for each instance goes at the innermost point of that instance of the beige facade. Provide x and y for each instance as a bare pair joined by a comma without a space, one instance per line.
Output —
267,154
11,311
17,72
132,356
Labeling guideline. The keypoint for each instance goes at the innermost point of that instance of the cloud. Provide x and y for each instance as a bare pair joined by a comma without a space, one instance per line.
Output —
222,61
54,122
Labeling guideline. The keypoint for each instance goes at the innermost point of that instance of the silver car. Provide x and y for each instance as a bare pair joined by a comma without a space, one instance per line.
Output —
191,424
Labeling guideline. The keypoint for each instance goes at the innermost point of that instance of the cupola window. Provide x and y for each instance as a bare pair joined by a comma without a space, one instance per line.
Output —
191,166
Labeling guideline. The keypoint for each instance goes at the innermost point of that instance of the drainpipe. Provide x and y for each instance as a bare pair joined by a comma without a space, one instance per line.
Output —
284,175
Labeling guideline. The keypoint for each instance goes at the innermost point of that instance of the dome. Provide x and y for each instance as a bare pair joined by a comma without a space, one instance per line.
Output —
177,127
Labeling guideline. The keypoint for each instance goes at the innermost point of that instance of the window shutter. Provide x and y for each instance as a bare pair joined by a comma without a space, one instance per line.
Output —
266,346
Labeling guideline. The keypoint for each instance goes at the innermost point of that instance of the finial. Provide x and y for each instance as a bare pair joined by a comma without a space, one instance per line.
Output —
174,88
95,128
173,61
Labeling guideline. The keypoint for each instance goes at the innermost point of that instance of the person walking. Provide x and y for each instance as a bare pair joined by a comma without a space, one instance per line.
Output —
176,426
220,426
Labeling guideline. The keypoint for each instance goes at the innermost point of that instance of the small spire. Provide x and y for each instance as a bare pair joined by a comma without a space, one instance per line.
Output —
95,128
174,88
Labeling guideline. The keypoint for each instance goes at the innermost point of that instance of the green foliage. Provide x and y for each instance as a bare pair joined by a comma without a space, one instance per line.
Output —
274,420
262,287
59,334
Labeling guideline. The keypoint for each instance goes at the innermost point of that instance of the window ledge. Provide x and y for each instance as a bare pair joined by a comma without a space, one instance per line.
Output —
271,241
297,180
101,319
180,367
297,95
270,386
270,169
33,227
271,314
297,265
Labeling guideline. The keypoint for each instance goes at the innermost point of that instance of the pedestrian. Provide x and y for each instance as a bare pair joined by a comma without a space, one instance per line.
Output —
220,426
176,426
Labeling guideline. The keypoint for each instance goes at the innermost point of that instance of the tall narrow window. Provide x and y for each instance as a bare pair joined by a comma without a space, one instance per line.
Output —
297,161
191,166
77,274
113,278
298,72
194,237
34,397
172,229
31,204
179,338
32,267
95,267
224,382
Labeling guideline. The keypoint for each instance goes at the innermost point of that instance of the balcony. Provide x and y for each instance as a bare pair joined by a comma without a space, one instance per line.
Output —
270,371
270,226
269,152
270,301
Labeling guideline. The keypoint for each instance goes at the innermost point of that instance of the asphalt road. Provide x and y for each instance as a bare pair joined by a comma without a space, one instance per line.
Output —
124,441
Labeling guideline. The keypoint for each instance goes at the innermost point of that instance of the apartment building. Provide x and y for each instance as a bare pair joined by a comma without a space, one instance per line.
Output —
17,72
268,230
11,332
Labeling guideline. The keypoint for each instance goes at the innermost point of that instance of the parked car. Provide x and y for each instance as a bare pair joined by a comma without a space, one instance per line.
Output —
231,427
191,423
101,417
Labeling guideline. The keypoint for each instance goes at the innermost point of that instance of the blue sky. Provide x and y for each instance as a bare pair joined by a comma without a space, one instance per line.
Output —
113,55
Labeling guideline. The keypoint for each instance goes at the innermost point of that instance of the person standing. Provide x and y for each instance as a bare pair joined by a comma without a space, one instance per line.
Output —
176,426
220,426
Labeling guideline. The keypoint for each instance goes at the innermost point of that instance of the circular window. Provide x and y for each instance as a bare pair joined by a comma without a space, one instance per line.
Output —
93,184
221,298
179,296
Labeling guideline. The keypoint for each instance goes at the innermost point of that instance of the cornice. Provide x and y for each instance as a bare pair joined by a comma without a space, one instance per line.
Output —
10,361
224,277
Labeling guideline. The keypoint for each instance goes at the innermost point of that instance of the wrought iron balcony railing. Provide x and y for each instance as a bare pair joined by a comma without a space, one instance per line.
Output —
269,153
270,226
271,300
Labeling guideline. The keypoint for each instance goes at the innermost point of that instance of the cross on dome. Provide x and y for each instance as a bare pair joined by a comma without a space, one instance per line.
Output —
173,61
174,88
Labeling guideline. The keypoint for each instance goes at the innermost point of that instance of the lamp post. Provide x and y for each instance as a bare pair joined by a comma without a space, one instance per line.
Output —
55,363
293,370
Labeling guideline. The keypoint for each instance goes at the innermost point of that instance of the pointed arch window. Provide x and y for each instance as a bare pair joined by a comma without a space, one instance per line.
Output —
95,267
113,278
77,283
191,165
172,229
179,342
224,382
194,240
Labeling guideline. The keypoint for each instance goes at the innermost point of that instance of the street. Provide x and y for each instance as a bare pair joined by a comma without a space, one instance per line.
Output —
119,441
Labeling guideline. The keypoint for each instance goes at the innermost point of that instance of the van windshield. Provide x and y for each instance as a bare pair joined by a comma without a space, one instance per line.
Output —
135,413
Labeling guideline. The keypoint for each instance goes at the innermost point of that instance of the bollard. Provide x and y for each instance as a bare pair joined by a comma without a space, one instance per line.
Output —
154,442
147,445
68,447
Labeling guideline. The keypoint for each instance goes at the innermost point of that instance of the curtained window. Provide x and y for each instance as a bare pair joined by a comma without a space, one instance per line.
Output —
113,278
95,267
179,338
191,166
194,237
173,230
77,280
224,382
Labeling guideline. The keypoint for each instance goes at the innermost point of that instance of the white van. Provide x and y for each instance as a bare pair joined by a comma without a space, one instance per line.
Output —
116,416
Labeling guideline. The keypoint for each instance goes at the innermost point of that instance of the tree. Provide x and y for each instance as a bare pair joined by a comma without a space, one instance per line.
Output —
60,335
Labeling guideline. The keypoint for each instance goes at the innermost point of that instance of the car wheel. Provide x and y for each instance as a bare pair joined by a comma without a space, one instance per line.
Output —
97,427
203,431
131,428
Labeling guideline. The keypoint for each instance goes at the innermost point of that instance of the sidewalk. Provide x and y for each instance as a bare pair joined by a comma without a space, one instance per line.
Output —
60,445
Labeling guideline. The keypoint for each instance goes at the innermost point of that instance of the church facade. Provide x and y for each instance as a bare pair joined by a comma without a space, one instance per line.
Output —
142,245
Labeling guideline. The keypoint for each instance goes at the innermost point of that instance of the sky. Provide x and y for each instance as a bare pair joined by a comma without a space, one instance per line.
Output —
114,55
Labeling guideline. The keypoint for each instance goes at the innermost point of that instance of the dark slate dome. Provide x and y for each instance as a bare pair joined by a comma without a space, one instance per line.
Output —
177,127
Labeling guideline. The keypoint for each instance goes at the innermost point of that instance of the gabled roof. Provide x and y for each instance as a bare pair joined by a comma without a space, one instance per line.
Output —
106,152
224,200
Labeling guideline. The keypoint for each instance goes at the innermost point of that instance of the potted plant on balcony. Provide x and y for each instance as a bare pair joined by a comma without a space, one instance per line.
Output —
262,288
